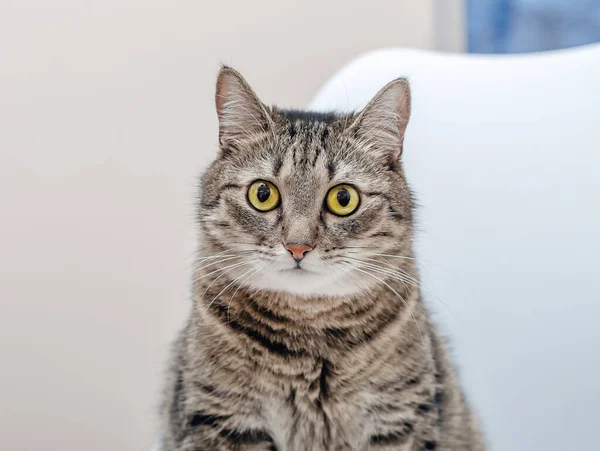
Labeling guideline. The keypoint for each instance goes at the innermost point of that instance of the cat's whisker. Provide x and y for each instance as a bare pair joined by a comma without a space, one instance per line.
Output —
186,258
225,272
420,260
379,254
395,271
235,265
221,292
402,271
224,253
405,279
423,263
387,274
216,262
352,280
215,280
410,312
240,285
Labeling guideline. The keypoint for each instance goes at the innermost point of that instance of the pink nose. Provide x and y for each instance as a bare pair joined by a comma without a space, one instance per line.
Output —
298,250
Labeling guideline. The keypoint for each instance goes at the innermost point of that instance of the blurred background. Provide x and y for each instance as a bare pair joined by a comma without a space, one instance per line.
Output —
515,26
106,119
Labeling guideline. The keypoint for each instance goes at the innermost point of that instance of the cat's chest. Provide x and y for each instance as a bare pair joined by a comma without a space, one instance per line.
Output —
341,411
302,421
327,404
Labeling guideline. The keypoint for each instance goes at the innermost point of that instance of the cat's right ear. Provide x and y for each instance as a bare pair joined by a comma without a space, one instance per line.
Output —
241,113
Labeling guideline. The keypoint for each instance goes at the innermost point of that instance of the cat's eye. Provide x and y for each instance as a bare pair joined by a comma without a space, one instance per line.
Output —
342,200
263,195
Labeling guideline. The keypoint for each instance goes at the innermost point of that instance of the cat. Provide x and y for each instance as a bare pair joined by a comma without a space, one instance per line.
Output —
308,330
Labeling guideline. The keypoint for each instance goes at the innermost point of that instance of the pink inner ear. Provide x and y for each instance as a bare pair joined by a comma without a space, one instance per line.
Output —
220,96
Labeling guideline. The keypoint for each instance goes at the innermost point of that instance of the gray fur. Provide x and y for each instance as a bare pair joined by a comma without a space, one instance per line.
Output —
341,355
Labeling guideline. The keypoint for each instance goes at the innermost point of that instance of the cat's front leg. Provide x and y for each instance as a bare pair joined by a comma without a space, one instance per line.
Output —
212,438
205,431
201,417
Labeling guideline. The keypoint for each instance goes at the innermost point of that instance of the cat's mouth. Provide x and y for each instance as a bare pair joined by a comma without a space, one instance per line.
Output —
298,270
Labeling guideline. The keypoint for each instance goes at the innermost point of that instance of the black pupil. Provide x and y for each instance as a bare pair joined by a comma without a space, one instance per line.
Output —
263,192
343,197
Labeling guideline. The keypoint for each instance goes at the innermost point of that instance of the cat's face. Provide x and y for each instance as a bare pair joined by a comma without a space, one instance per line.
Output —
307,204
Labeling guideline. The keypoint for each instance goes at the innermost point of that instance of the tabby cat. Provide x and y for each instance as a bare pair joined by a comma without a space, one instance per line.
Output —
308,330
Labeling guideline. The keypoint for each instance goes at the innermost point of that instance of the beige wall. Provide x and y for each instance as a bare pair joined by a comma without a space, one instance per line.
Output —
106,117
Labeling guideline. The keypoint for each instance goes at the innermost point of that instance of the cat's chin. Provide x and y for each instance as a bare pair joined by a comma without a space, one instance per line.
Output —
305,283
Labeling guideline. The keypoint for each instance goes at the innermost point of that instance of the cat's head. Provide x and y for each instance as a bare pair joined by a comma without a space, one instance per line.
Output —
307,203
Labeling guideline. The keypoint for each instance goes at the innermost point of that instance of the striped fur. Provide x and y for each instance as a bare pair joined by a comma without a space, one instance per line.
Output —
341,355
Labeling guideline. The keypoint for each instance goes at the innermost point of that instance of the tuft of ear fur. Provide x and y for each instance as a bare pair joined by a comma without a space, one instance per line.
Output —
241,113
381,125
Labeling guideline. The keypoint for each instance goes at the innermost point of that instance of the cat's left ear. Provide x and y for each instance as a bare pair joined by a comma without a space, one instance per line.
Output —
240,111
382,123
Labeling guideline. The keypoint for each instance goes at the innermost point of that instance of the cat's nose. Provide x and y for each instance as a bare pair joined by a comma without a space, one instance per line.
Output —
298,250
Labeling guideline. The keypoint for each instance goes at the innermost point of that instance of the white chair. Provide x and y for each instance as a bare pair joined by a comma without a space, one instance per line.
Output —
503,153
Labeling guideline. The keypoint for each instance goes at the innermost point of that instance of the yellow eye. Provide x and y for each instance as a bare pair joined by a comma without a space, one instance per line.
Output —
342,200
263,195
